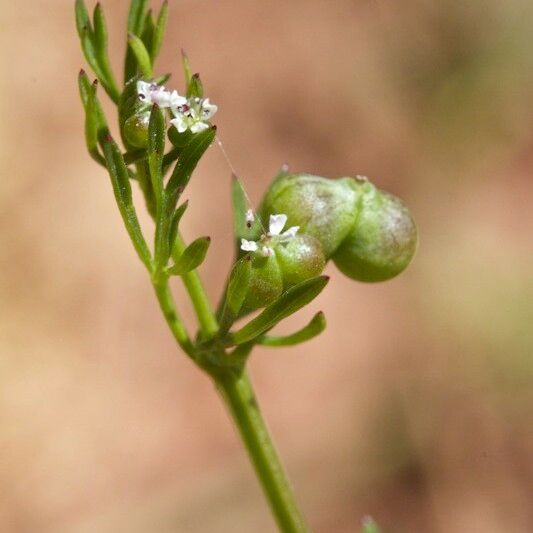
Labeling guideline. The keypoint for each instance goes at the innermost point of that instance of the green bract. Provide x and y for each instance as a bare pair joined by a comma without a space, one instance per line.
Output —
382,241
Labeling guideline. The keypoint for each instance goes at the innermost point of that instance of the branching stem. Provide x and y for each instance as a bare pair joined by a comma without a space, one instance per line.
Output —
238,395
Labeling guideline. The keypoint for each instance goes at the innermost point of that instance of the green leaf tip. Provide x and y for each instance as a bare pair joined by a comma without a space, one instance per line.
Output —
315,327
192,257
195,87
141,54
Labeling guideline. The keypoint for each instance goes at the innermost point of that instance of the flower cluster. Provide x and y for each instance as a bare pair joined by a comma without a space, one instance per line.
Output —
276,224
189,113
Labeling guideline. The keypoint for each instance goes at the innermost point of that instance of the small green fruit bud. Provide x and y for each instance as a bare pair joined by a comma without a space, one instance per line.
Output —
299,259
265,282
136,129
382,241
323,208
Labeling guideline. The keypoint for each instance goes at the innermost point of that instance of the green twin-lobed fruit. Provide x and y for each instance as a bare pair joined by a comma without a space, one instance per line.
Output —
368,233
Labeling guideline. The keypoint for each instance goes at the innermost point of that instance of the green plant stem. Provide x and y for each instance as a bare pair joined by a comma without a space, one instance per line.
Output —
239,397
174,321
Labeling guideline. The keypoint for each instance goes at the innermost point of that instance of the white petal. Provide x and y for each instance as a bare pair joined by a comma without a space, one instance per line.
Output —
161,97
290,233
176,100
250,216
248,246
144,91
267,251
179,123
208,110
276,224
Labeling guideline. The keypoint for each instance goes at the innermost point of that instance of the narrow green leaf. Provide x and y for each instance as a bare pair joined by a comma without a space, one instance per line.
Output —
174,225
100,29
136,17
84,86
119,175
187,71
192,257
369,526
141,55
188,160
95,122
100,44
238,284
195,87
147,35
93,125
88,47
159,32
163,222
156,149
314,328
288,303
83,22
93,46
240,206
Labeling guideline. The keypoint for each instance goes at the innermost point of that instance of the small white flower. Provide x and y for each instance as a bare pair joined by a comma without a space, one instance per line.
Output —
249,246
274,235
193,114
151,93
189,113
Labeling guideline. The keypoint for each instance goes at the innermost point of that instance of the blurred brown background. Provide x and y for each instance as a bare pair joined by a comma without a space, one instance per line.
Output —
415,405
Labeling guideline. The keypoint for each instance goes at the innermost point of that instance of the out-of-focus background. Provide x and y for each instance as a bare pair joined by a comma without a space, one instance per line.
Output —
416,404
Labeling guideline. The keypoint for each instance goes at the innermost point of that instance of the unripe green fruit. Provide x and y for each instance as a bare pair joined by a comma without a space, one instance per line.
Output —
382,241
134,117
300,259
265,282
323,208
136,129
